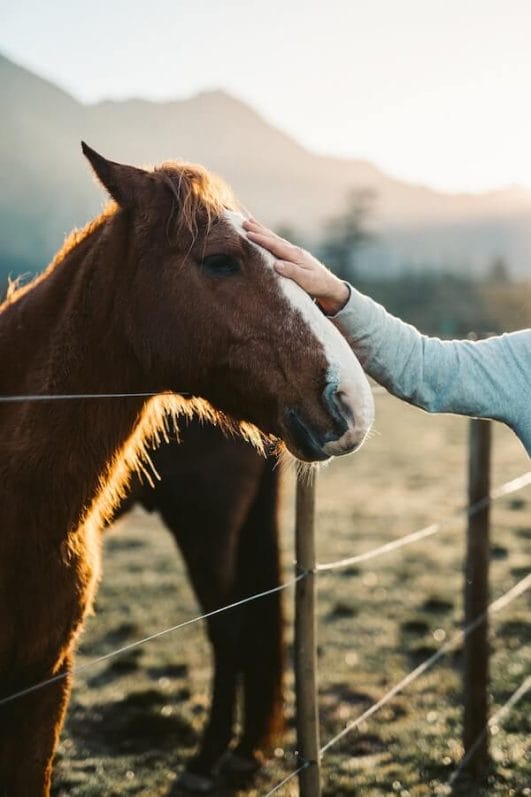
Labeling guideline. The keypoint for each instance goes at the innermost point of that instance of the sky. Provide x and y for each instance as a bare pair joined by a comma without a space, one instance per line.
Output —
432,91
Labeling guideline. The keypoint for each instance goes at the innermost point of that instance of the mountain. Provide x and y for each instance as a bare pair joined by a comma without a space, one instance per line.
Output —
47,188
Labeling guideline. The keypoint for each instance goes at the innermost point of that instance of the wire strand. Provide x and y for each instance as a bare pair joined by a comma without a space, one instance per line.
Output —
494,719
287,779
428,531
518,589
71,396
132,645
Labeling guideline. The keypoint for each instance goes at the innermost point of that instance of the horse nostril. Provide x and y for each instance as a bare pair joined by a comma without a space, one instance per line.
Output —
345,406
336,405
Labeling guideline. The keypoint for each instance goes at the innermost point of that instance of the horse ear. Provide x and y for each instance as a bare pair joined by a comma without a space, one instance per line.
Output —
124,183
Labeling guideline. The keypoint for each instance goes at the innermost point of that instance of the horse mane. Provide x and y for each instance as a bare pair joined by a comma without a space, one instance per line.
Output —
196,191
159,419
16,291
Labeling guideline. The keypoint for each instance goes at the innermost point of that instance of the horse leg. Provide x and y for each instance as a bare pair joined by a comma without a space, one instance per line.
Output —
32,725
261,645
223,631
42,632
207,541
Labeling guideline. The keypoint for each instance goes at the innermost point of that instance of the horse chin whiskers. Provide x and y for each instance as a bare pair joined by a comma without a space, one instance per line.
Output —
307,471
289,463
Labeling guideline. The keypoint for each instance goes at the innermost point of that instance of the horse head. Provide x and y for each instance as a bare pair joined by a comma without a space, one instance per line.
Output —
208,314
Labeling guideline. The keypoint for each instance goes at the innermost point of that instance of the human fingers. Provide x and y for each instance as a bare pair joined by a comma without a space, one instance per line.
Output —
307,278
251,222
277,246
255,227
287,252
289,269
252,225
331,293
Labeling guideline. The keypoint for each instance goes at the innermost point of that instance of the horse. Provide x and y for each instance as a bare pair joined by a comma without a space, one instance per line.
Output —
161,294
218,497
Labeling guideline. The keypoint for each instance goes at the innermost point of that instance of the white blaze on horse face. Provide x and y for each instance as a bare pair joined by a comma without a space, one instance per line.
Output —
344,370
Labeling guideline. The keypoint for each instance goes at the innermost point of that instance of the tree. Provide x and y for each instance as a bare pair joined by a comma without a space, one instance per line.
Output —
347,233
499,271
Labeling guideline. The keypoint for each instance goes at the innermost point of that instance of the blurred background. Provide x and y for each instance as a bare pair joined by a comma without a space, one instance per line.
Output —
391,138
394,140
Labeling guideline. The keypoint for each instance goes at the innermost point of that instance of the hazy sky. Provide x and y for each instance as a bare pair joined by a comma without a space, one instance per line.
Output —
433,91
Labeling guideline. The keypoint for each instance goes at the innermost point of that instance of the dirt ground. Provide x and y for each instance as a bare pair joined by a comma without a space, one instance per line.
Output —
134,720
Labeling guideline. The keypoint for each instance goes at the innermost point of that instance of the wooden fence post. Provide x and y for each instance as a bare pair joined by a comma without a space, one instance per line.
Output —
305,641
476,645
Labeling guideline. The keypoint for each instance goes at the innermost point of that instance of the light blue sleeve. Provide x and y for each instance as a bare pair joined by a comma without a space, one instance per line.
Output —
486,379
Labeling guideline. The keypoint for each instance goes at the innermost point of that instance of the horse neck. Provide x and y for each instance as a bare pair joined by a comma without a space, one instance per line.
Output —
66,335
67,329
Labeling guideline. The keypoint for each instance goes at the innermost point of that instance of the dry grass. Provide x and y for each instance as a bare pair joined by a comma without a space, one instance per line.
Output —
134,721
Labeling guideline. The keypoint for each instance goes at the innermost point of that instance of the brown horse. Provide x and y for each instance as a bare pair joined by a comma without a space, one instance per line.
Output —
161,293
219,499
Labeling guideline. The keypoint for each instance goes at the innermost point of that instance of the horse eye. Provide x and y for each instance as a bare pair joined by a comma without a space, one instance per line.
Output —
220,265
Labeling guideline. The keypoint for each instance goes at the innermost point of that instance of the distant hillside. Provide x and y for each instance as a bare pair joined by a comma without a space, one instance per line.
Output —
47,188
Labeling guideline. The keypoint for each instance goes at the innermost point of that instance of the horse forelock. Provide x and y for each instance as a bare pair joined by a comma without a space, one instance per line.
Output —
201,197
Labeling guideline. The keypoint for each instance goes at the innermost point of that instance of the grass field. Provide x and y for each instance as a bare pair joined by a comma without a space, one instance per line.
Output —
135,720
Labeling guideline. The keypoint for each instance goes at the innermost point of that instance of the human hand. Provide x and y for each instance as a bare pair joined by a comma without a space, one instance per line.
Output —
302,267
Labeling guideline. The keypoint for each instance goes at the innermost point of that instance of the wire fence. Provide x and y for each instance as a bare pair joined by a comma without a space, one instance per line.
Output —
137,643
496,719
501,603
468,511
507,488
17,399
522,586
288,778
452,644
477,611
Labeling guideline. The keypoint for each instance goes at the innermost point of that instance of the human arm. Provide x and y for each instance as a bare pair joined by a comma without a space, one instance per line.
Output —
489,378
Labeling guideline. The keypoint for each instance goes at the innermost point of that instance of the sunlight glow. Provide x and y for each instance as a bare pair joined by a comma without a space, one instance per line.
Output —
431,92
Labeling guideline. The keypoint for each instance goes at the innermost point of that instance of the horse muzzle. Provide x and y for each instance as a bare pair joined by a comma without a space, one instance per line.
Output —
349,420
